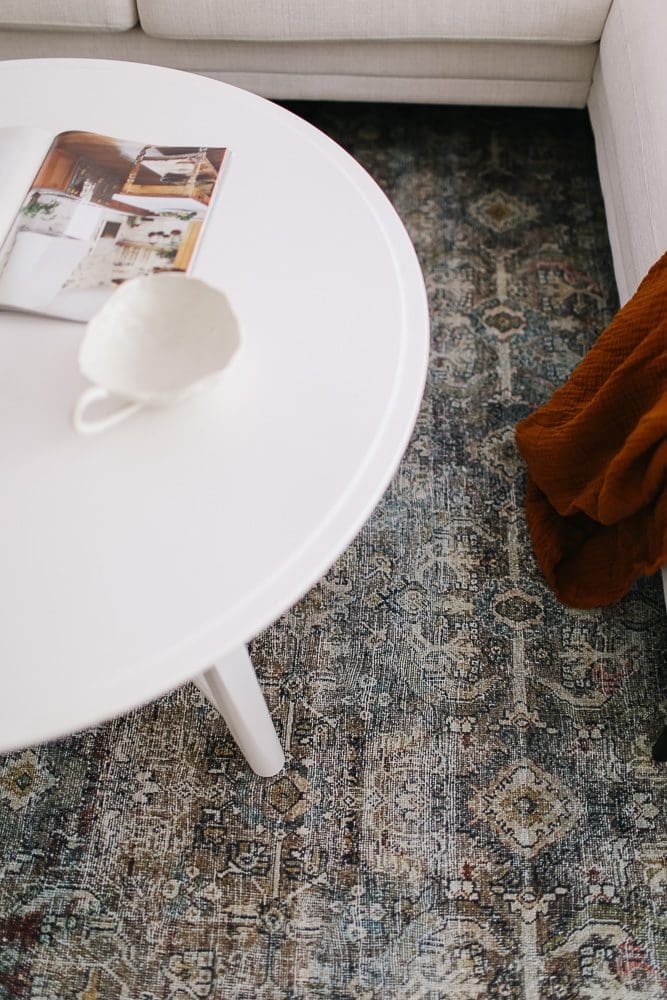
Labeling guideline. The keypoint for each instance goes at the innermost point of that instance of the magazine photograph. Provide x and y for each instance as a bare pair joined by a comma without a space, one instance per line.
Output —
99,211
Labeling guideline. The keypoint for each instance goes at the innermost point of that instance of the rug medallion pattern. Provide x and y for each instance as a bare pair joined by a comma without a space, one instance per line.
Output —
469,807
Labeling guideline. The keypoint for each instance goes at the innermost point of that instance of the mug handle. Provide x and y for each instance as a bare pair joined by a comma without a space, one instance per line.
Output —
92,395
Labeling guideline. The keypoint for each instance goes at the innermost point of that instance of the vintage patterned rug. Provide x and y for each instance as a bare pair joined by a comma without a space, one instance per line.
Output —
469,808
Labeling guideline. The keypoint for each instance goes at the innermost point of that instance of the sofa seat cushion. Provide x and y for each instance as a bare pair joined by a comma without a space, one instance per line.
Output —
551,21
441,72
68,15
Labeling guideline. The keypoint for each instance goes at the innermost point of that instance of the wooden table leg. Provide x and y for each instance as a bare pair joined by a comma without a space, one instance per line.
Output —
232,687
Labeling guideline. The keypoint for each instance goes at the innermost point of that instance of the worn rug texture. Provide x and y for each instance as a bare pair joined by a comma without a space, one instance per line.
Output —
469,807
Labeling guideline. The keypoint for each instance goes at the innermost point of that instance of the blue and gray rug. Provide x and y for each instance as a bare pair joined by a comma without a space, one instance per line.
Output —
469,808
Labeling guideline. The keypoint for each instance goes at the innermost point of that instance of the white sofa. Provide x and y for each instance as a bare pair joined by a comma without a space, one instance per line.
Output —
608,55
449,51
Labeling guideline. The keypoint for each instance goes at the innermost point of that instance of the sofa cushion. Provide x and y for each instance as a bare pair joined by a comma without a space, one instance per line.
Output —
68,15
560,21
444,72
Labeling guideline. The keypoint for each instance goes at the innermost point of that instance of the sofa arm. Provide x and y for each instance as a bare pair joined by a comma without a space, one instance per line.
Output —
628,110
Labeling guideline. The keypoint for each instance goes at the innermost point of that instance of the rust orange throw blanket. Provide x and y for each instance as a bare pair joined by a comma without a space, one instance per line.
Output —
596,496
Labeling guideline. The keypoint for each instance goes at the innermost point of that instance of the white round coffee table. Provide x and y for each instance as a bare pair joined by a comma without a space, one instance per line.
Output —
150,555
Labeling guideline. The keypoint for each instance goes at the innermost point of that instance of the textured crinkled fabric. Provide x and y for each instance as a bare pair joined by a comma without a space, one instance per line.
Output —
596,500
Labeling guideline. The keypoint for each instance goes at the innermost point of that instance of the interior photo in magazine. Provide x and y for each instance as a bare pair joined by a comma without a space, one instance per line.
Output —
100,211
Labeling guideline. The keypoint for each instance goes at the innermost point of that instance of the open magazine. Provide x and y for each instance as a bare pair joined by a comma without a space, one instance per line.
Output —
80,213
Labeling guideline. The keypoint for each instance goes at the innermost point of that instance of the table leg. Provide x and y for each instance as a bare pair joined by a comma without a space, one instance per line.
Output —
201,682
232,687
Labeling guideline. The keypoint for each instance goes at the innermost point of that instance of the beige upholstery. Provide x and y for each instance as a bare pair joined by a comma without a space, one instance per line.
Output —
68,15
447,72
552,21
628,109
515,52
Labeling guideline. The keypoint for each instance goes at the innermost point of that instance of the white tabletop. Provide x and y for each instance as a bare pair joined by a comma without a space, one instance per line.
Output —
133,559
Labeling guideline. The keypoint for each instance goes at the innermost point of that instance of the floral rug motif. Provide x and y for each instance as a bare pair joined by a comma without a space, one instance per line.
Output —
469,807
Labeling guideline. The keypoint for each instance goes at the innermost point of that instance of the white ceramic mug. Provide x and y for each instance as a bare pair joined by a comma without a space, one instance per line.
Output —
157,340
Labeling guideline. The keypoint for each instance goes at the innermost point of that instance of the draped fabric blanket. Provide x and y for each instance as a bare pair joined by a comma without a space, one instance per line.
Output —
596,496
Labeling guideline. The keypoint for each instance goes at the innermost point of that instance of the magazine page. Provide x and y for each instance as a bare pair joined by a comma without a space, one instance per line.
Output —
102,210
21,152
